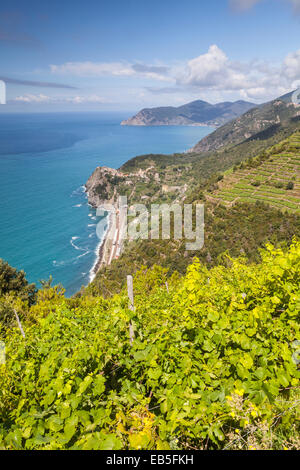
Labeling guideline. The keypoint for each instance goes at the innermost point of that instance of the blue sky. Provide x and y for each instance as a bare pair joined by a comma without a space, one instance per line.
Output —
129,54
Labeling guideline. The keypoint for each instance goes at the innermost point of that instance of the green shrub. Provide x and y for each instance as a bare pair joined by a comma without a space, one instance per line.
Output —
13,281
290,186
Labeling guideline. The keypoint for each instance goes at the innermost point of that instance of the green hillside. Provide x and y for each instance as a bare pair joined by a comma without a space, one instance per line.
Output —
257,124
273,178
191,172
255,201
213,363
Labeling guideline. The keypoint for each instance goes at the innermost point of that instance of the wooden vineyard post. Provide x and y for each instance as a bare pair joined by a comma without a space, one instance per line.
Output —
19,324
131,305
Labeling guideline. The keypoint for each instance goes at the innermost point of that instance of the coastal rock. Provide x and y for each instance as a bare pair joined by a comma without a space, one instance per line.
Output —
101,186
105,185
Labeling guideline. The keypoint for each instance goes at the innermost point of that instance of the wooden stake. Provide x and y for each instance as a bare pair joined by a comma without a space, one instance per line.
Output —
19,324
131,305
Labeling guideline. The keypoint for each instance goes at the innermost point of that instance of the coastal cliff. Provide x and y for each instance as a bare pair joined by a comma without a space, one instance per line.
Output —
101,186
101,189
145,182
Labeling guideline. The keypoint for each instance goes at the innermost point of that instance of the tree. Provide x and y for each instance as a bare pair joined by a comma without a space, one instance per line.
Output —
14,281
290,186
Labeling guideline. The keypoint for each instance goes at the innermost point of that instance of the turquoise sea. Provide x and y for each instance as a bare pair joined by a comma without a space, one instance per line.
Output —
47,226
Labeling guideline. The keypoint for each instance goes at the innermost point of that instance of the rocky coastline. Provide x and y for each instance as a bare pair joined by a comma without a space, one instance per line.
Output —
101,192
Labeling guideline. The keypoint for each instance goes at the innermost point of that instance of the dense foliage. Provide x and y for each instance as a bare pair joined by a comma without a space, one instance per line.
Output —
212,363
12,280
13,287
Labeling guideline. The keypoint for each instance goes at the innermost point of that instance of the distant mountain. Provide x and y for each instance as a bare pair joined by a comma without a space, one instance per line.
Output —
258,123
196,113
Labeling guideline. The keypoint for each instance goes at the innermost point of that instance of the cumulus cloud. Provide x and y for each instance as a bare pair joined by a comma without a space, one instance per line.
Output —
255,79
214,70
291,65
206,69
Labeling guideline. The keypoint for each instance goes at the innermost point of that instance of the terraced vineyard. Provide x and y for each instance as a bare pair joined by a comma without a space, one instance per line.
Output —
273,177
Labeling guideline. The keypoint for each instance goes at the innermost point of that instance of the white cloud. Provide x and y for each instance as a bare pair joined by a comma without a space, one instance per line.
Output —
113,69
291,65
93,69
33,98
59,99
86,99
205,69
215,70
212,73
256,80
